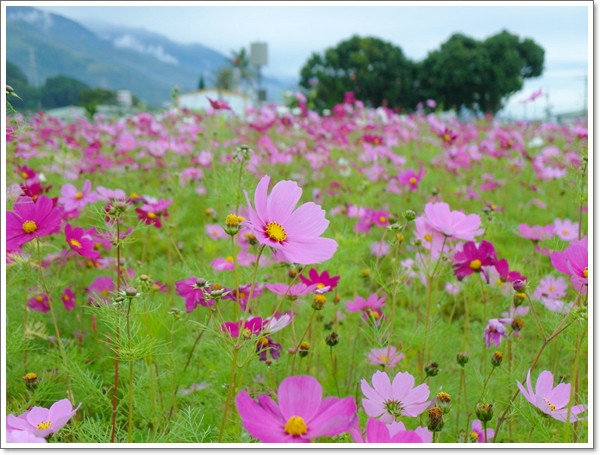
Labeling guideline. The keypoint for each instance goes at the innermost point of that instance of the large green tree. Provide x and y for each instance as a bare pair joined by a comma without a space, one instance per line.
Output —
479,75
375,70
61,91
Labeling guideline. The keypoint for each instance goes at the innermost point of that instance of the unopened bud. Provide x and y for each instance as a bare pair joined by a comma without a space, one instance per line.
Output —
31,380
462,358
484,411
232,224
443,400
497,358
432,369
517,324
518,298
435,419
410,215
304,349
292,273
332,339
520,285
319,301
130,291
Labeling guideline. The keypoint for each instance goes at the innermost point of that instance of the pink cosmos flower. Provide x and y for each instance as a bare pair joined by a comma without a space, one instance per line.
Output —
387,400
293,233
23,436
300,415
39,302
551,287
452,223
67,296
152,213
370,307
378,432
324,282
573,261
80,242
380,249
477,433
535,233
243,293
566,229
220,264
41,421
411,179
252,326
552,401
472,259
506,275
297,290
192,290
73,199
387,357
105,194
215,231
29,220
558,306
495,331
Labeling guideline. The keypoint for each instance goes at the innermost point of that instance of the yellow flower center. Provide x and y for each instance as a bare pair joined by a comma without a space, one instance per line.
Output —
376,141
75,243
263,341
565,232
383,359
412,180
66,297
275,232
155,287
382,219
550,405
24,174
133,196
151,215
31,376
233,220
499,282
78,195
295,426
29,227
474,436
39,298
551,288
104,292
246,333
446,137
374,314
475,264
43,425
320,285
427,237
585,272
229,258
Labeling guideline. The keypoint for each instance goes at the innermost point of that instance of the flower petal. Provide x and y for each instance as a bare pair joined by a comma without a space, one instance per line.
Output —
337,418
282,200
299,396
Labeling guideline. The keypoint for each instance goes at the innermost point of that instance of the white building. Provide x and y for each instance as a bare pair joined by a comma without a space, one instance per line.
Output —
198,100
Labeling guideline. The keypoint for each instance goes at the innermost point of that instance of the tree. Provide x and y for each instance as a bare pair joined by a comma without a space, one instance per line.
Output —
479,75
240,61
224,78
375,70
28,96
201,83
90,98
61,91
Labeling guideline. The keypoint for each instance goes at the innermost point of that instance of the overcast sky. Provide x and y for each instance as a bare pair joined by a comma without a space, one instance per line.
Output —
294,32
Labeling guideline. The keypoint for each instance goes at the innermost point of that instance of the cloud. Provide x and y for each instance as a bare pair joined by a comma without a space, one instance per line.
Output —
130,42
35,17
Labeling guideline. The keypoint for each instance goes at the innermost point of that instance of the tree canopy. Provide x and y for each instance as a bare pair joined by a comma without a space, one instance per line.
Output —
462,73
376,71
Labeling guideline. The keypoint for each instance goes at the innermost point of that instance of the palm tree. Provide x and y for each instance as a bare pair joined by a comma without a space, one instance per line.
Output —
240,61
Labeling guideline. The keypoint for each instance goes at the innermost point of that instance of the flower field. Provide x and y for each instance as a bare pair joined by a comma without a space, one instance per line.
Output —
357,277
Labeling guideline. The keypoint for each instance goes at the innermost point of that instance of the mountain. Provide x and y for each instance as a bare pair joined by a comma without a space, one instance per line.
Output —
44,44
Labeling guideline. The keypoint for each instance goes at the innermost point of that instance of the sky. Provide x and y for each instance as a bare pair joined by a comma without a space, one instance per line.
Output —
294,31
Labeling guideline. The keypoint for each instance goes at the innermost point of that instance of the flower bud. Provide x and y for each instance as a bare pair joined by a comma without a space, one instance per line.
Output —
130,291
520,285
319,301
517,324
518,298
232,224
484,411
410,215
304,349
216,290
462,358
365,273
435,419
497,358
293,273
432,369
31,380
443,399
332,339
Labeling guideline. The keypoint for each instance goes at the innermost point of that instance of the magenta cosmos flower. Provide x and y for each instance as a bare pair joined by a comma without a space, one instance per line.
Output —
68,297
153,212
300,415
552,401
472,259
41,421
295,233
379,432
192,290
452,223
387,400
81,242
324,282
29,220
411,179
573,261
370,307
39,302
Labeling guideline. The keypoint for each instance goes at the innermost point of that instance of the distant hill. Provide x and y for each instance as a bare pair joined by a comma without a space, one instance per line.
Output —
44,44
